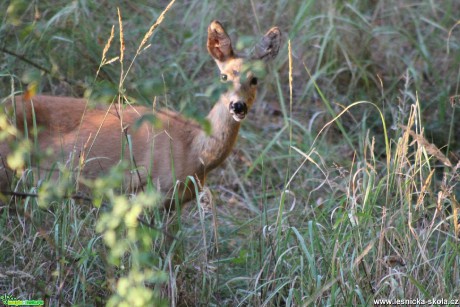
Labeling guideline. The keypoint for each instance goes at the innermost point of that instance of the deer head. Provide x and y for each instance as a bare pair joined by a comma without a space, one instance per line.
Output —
236,70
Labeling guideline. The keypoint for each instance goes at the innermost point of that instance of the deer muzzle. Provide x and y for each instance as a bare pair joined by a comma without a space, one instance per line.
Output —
239,110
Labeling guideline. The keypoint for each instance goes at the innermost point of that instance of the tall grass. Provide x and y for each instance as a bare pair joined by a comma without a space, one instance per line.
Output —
343,187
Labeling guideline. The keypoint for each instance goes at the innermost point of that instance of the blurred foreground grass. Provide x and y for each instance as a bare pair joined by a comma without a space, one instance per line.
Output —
311,208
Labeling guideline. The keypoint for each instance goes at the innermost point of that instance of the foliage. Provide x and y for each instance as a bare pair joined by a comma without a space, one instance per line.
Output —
343,187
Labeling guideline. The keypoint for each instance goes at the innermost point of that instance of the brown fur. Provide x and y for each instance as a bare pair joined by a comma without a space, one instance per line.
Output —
95,136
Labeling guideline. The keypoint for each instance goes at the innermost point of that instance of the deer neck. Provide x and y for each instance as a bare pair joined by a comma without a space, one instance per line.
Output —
213,148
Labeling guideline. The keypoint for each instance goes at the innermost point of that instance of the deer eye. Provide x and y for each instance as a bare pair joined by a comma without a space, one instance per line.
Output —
223,78
253,81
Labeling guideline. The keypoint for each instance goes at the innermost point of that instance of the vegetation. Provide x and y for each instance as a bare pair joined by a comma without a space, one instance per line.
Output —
343,187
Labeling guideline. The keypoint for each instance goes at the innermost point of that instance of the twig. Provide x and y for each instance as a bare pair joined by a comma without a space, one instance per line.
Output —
30,62
24,59
34,195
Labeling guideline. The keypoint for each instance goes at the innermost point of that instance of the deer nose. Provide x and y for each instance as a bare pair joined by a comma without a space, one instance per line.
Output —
239,110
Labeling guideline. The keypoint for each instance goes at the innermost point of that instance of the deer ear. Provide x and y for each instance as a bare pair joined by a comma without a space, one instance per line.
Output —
219,43
268,46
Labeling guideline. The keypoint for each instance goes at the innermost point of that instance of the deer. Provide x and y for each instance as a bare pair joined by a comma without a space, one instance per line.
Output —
167,153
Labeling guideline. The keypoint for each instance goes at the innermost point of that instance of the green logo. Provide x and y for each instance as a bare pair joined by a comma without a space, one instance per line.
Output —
9,300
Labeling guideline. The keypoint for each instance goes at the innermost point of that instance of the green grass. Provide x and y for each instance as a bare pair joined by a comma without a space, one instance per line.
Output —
326,200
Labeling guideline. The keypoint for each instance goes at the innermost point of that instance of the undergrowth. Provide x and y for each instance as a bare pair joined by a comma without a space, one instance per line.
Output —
342,189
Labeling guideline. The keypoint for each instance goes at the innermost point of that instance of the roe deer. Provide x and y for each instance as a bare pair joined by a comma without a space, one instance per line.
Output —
165,153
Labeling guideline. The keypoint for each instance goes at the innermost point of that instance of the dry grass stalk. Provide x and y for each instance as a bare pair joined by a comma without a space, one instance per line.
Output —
105,50
154,26
107,45
456,221
424,188
429,147
122,39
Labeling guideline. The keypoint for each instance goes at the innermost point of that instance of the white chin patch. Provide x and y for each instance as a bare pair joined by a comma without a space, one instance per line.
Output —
238,119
